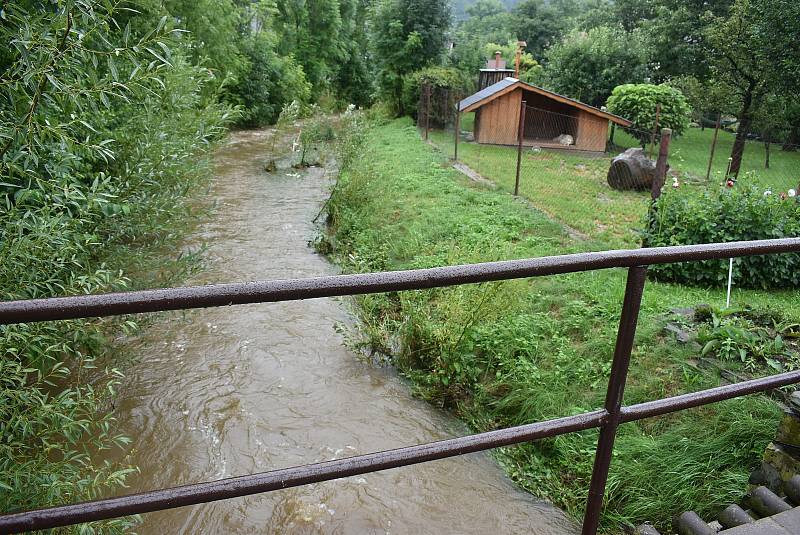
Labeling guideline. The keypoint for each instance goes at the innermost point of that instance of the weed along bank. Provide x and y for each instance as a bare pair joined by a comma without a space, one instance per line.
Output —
551,120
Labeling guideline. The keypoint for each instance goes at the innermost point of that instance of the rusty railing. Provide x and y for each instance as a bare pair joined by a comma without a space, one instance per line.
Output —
607,419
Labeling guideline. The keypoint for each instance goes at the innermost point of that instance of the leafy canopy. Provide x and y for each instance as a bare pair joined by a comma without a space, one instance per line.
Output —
588,65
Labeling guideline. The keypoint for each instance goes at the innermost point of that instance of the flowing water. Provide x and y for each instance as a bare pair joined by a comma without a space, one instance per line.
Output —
216,393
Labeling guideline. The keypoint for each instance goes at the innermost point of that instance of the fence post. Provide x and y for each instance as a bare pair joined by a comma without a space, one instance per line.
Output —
427,110
713,145
520,134
458,132
661,164
616,389
655,130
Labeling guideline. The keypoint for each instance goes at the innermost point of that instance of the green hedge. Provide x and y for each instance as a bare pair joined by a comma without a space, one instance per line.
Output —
682,217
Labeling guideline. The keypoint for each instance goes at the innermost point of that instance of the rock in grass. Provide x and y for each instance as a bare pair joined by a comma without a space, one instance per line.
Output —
631,170
681,335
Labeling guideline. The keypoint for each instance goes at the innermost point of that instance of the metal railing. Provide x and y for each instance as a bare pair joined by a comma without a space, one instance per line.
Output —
607,419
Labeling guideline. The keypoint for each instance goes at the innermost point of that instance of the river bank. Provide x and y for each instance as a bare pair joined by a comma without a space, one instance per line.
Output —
216,393
502,354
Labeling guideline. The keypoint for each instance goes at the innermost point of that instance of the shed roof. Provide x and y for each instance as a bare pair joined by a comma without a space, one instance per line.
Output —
507,85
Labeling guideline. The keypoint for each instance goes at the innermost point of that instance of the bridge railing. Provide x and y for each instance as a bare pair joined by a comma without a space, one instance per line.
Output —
607,419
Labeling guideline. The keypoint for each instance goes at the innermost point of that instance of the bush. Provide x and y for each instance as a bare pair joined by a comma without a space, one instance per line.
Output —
447,87
638,103
682,217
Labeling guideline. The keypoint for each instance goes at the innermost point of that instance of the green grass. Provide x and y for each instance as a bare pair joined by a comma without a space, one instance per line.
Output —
689,154
572,189
514,352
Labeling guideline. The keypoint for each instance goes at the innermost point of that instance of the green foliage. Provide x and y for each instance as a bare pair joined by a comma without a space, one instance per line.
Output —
447,87
103,126
683,217
269,82
489,22
588,65
736,338
706,98
639,102
406,35
541,24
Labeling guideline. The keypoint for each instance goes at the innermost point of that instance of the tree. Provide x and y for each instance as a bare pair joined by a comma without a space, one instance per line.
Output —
405,36
352,80
638,104
489,22
772,121
707,99
213,29
589,65
538,24
742,59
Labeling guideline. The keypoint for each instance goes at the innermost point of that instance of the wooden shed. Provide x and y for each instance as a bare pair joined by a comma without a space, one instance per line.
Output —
551,120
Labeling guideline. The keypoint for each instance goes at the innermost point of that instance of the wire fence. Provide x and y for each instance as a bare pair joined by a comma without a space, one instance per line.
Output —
593,176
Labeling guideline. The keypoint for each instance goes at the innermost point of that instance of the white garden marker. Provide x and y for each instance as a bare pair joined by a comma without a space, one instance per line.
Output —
730,280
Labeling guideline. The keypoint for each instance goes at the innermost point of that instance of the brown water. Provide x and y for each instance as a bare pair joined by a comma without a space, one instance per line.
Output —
217,393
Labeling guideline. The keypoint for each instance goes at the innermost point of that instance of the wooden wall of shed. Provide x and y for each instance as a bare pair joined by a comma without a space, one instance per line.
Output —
499,120
592,132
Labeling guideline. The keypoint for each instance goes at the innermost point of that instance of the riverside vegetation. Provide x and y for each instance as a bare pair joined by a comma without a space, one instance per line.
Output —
108,113
515,352
102,145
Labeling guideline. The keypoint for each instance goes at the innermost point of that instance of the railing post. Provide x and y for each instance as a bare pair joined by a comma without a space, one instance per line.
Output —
616,388
520,135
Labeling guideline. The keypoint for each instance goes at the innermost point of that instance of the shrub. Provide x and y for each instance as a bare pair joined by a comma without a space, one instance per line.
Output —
447,87
682,217
638,103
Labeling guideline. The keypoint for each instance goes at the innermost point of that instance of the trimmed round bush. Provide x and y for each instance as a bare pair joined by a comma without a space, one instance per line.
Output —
684,217
638,103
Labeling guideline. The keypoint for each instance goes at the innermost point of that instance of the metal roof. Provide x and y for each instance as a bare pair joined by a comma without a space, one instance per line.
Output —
487,94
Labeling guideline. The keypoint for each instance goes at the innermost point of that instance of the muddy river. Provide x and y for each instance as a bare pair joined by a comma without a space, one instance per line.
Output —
216,393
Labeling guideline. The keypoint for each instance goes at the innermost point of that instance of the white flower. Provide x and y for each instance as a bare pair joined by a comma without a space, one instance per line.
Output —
791,193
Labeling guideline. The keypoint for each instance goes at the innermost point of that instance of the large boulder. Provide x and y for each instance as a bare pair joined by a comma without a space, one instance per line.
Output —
632,170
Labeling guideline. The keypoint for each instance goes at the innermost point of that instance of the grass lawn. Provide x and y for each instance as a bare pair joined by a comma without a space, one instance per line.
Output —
507,353
690,152
572,189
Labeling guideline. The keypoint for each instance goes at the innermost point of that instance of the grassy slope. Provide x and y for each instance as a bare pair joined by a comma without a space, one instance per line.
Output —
519,351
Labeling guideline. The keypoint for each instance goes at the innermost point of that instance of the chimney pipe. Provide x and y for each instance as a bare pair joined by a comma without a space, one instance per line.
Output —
497,60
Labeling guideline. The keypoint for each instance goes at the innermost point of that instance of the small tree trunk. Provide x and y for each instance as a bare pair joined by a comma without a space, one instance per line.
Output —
745,119
767,143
